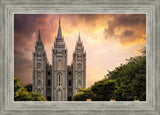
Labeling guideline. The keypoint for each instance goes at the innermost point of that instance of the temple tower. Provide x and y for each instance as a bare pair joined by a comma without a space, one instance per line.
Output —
39,67
59,68
79,66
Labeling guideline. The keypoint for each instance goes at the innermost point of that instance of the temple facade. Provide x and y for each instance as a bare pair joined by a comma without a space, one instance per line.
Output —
59,81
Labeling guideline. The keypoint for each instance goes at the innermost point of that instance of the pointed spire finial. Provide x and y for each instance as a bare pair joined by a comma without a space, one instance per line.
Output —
39,36
79,38
59,20
59,34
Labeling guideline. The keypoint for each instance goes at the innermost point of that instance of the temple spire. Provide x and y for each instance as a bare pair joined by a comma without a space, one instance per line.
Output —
39,36
79,38
59,34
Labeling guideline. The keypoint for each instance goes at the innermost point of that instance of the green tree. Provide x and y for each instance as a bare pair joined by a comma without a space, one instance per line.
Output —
101,91
125,83
29,87
21,93
104,90
131,79
83,95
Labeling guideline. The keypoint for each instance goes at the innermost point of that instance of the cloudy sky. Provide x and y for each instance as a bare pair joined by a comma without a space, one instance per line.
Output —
108,39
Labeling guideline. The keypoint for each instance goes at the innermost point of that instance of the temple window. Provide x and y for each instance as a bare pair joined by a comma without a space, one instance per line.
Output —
70,83
79,84
59,95
39,83
39,91
79,75
49,82
39,66
59,80
59,64
39,75
79,66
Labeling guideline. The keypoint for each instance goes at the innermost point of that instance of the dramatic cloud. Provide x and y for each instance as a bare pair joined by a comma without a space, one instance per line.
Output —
107,38
128,33
126,28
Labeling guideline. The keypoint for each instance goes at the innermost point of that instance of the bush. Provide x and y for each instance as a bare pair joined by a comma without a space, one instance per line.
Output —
21,93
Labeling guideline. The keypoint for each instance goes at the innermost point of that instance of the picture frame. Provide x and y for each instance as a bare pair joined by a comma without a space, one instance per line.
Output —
10,7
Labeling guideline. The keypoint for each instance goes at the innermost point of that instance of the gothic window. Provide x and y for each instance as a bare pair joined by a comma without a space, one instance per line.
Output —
79,75
59,64
79,84
59,80
39,91
79,66
39,75
49,82
39,66
70,83
39,83
49,73
59,95
70,73
49,89
69,90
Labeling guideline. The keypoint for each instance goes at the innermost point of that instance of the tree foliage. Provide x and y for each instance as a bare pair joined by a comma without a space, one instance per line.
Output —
104,90
125,83
21,93
29,87
83,95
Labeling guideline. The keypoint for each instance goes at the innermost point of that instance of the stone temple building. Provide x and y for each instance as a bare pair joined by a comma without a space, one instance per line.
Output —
59,81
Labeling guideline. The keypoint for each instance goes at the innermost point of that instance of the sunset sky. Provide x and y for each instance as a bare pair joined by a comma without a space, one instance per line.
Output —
108,39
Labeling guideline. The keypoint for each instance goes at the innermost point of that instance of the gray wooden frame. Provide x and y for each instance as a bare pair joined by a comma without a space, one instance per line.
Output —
10,7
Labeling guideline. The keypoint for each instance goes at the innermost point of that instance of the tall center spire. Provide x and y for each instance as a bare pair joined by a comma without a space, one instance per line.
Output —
59,34
39,36
79,38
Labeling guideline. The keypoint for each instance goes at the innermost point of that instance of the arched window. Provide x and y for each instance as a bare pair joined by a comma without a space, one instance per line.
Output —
48,89
70,90
49,82
39,83
59,95
49,73
70,82
79,84
79,75
39,75
39,66
79,66
70,73
59,64
59,80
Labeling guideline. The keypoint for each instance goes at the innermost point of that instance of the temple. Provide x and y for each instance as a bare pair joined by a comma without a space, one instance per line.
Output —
59,81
